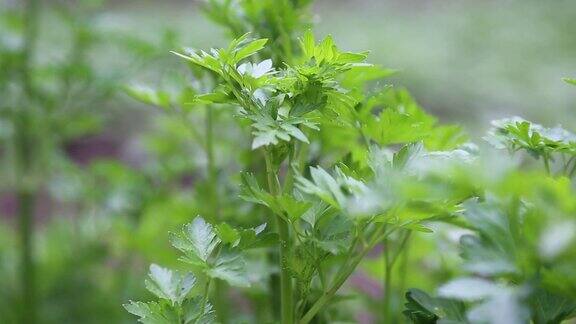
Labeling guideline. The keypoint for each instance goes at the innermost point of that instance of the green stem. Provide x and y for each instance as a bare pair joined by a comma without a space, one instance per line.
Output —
220,302
24,157
546,163
286,300
389,262
571,173
387,280
206,295
30,34
329,294
212,168
344,273
289,179
404,269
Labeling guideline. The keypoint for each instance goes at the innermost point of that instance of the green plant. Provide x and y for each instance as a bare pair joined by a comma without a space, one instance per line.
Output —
339,166
521,244
318,94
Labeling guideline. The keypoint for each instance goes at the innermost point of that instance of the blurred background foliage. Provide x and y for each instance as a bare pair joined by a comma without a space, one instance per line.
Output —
112,177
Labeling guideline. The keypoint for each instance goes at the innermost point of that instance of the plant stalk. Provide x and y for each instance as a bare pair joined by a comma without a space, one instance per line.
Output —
329,294
546,164
220,302
389,262
345,272
387,283
24,157
211,161
286,295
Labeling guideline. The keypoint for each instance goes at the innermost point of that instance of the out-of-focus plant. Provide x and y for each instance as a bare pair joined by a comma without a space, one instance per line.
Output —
53,93
547,144
519,255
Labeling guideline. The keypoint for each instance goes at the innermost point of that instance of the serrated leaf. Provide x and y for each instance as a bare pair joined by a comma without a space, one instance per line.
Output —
424,309
549,308
250,49
252,192
169,285
203,59
295,132
139,309
231,268
227,233
334,233
197,312
264,138
293,208
152,312
308,44
198,241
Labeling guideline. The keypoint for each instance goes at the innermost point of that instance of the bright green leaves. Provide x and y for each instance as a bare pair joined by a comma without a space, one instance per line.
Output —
386,117
251,191
220,60
548,144
516,133
229,266
282,205
254,88
212,253
272,131
191,312
324,67
333,233
244,239
205,251
224,62
250,48
332,190
203,59
197,240
570,81
280,103
402,120
424,309
308,44
169,285
175,305
326,51
292,207
152,312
